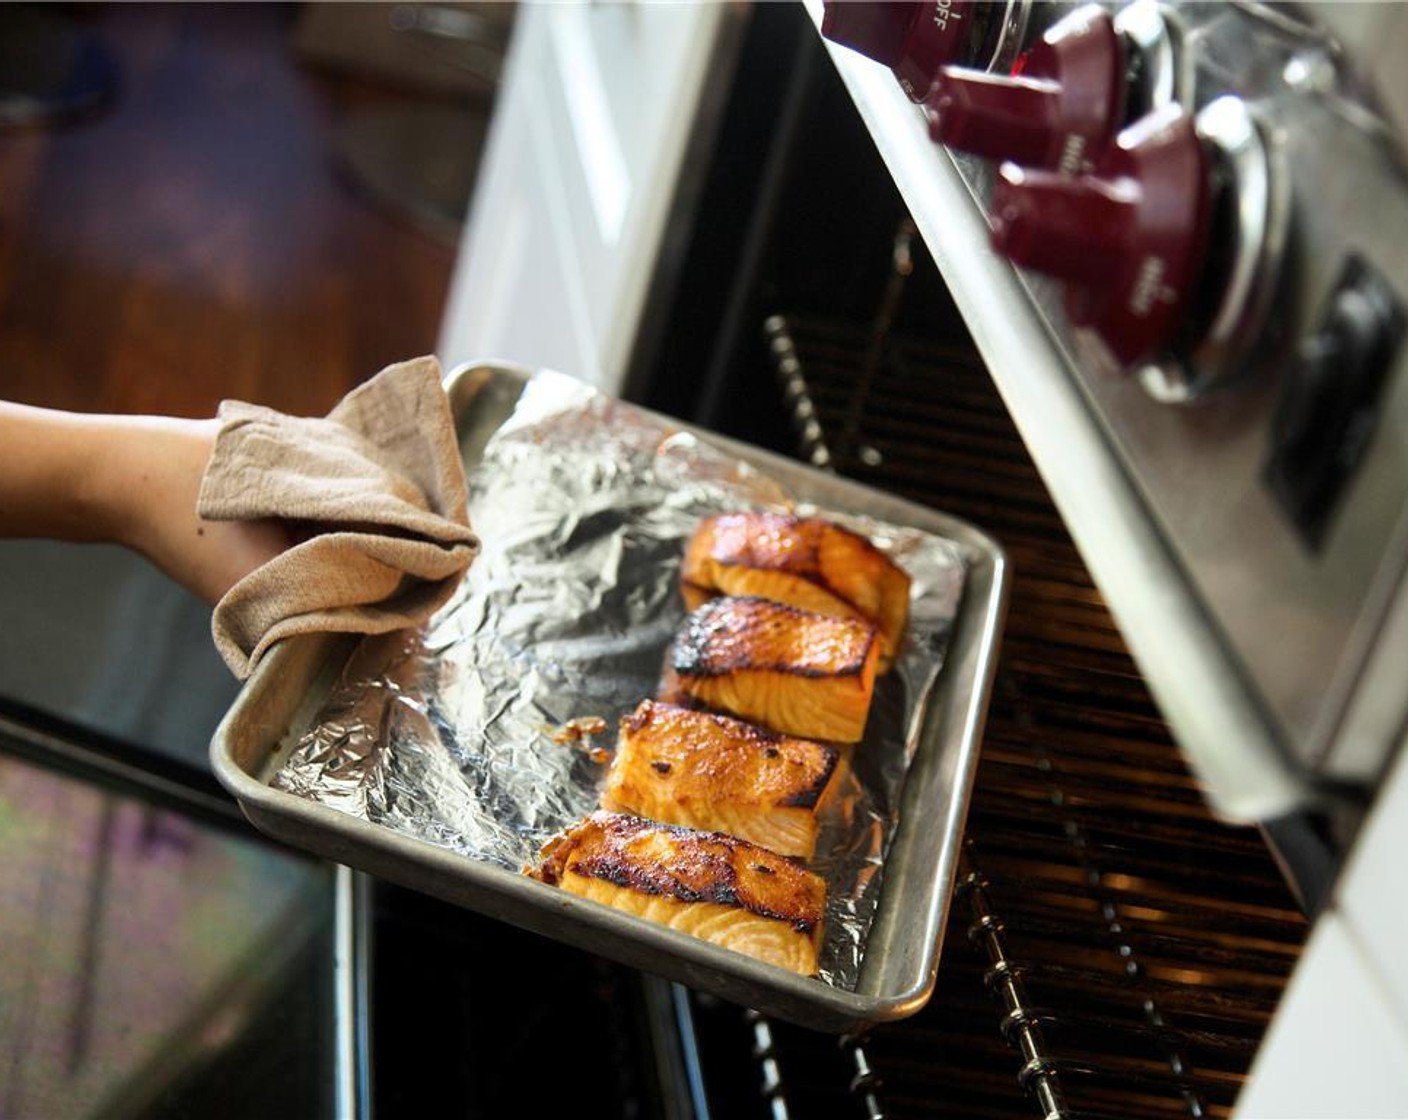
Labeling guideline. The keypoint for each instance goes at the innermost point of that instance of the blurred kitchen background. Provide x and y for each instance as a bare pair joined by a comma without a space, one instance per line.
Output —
259,201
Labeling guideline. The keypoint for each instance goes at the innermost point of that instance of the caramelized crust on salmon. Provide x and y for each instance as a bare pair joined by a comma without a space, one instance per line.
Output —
794,671
710,771
713,886
807,562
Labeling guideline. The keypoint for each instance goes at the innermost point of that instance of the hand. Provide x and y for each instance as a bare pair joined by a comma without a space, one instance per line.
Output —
151,494
131,480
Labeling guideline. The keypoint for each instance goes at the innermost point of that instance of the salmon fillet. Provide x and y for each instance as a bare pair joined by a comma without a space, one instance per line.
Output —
793,671
717,887
808,562
710,771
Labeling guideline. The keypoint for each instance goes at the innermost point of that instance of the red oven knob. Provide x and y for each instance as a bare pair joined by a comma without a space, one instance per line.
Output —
914,38
1063,104
1128,238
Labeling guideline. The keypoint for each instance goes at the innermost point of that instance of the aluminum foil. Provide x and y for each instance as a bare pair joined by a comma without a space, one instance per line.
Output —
476,732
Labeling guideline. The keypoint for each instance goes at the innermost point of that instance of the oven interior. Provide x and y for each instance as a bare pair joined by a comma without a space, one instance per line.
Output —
1115,950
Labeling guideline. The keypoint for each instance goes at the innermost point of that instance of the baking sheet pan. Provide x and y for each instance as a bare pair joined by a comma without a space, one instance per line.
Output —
282,700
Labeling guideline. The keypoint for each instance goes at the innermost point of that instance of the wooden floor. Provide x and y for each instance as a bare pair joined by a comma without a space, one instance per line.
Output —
194,242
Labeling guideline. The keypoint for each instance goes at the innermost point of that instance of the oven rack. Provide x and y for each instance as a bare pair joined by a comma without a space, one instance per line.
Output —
1115,951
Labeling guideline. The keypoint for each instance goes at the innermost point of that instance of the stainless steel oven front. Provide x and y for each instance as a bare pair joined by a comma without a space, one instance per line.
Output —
1176,234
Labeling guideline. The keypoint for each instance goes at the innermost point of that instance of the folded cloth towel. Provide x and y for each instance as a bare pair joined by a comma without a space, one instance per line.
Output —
381,486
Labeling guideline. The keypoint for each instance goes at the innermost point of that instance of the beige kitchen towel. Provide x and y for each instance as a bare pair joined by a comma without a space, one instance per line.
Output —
380,487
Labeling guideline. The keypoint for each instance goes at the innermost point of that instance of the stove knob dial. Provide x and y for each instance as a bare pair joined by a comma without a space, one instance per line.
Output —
1063,104
914,39
1128,238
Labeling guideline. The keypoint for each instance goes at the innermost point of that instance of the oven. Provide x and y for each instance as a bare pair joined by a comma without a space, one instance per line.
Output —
1120,284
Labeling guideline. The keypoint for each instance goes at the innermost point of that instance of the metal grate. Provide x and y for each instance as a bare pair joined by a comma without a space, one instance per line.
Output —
1116,952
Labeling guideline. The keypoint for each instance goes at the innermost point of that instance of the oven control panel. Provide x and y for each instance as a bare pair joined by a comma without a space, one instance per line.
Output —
1205,206
915,38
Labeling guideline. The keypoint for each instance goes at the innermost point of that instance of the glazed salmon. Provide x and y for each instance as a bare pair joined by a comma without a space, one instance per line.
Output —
717,887
793,671
710,771
808,562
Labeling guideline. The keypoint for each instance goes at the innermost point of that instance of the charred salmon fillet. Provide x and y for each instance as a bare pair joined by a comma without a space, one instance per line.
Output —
714,772
716,887
793,671
807,562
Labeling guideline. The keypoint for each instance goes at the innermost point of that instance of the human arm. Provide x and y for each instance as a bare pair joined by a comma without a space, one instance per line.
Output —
129,480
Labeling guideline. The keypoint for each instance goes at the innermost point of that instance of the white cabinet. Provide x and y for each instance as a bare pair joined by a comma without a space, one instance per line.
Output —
598,110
